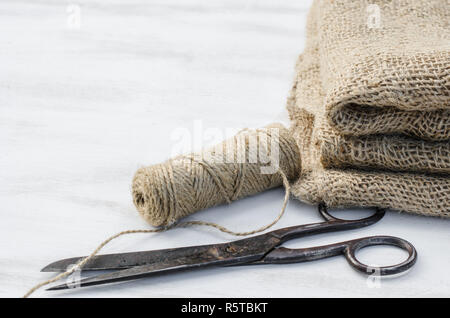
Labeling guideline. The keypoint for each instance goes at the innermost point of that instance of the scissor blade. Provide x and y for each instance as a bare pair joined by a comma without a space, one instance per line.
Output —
127,260
233,253
143,271
120,260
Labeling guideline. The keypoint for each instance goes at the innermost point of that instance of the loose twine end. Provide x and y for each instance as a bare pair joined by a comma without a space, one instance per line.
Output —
165,193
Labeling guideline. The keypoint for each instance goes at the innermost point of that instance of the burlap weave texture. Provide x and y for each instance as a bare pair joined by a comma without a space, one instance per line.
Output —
370,105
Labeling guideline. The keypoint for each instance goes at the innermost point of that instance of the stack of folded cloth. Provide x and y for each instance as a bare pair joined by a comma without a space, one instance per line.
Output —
370,105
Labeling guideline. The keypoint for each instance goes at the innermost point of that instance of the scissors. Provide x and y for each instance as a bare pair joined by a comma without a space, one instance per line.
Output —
261,249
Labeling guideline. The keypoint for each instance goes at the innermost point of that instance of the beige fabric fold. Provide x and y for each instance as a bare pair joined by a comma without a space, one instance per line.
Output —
370,105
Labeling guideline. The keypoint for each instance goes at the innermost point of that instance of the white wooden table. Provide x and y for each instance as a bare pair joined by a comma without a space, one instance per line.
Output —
92,90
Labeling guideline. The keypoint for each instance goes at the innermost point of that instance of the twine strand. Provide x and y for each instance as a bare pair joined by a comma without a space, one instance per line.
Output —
167,192
221,228
236,168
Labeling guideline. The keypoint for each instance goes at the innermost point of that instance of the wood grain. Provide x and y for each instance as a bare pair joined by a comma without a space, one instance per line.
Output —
82,108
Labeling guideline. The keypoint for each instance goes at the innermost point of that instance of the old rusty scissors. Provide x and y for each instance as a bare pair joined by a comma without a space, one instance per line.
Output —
260,249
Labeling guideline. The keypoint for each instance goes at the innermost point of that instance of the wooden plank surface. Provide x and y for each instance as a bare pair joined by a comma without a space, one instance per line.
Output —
92,90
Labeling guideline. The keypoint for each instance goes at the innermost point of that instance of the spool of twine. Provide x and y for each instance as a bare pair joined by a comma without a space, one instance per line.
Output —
243,165
250,162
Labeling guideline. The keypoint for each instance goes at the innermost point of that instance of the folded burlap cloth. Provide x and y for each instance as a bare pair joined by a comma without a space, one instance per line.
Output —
370,105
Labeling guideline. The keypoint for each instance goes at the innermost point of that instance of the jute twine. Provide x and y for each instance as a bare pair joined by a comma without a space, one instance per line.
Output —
167,192
234,169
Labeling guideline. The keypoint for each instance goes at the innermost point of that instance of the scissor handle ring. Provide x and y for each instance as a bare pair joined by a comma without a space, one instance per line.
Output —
355,245
376,216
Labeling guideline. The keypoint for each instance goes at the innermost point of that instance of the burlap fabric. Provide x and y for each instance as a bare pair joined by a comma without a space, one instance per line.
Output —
370,105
